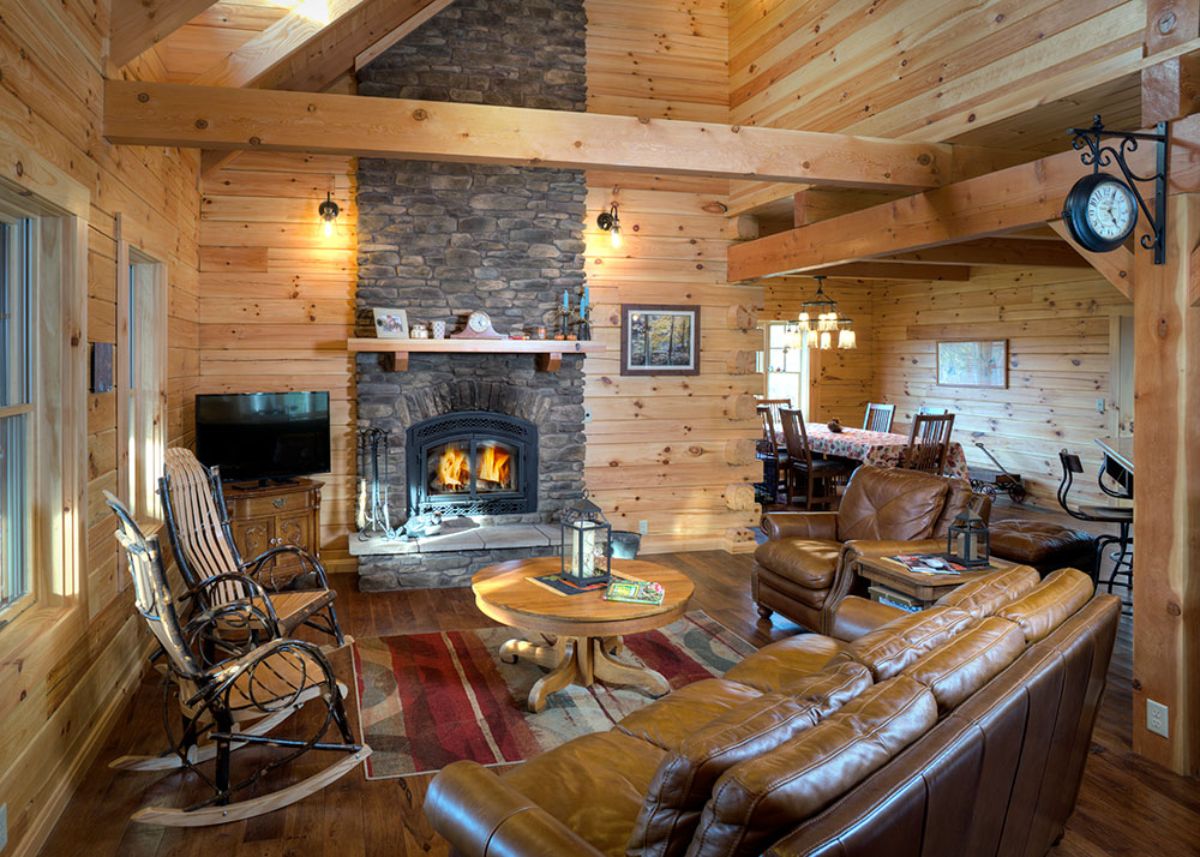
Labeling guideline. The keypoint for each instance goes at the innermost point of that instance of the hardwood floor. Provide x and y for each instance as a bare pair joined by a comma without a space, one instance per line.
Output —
1127,806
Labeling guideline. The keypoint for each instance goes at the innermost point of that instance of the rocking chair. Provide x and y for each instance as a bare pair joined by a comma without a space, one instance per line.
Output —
231,704
198,524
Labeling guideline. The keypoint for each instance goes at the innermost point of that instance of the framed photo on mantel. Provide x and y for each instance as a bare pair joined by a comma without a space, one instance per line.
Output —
660,340
974,363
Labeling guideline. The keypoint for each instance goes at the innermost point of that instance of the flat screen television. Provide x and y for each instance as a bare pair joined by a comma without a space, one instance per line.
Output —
263,435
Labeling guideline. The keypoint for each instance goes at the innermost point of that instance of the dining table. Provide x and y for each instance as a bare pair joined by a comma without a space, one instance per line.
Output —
877,448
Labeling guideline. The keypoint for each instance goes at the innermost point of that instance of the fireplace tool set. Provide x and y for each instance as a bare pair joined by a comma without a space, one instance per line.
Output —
372,513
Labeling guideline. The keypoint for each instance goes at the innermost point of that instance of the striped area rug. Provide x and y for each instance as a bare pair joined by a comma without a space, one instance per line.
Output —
426,700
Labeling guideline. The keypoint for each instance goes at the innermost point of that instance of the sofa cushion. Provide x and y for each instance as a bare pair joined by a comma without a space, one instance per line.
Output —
956,670
959,495
684,780
756,801
594,784
777,666
1048,604
985,596
668,721
1039,543
810,563
889,503
888,650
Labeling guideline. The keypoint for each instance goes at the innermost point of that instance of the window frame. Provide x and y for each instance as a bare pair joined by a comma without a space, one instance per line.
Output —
800,399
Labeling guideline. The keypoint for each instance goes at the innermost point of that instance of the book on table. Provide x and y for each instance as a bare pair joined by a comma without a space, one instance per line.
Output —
931,563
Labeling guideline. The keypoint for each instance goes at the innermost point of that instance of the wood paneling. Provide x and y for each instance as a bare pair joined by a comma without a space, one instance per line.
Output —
278,301
66,672
658,448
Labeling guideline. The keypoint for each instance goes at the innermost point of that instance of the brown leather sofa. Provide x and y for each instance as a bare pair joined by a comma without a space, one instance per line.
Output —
806,567
962,729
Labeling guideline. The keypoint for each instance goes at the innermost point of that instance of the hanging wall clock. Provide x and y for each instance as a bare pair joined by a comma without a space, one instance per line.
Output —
1100,212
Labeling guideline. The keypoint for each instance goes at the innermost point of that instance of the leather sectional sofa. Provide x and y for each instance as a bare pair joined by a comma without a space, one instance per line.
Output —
806,567
962,729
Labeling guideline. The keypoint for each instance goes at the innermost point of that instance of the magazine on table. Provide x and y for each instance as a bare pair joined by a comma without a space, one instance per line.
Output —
931,563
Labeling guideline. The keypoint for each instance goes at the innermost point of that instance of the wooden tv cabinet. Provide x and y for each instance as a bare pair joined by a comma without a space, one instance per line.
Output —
280,513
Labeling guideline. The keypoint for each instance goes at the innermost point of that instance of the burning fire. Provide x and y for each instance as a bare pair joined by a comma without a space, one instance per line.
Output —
453,469
493,465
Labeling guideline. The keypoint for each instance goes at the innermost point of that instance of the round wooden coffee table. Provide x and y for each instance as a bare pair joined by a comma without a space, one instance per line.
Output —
581,633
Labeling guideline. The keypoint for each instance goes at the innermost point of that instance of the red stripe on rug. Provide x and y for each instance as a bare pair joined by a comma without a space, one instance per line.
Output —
657,652
505,716
439,720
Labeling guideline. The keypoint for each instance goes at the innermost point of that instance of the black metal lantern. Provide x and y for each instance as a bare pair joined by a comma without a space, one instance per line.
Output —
586,534
968,542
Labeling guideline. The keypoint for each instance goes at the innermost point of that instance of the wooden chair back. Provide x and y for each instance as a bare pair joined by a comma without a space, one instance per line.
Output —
795,435
926,409
152,595
768,412
929,443
198,524
879,417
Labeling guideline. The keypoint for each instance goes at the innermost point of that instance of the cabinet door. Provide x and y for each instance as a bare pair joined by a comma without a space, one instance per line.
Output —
253,536
296,530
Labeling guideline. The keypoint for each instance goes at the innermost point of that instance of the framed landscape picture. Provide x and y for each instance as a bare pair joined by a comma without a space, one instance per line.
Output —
660,340
974,363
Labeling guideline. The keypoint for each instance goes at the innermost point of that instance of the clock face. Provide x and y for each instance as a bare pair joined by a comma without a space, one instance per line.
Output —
479,322
1111,210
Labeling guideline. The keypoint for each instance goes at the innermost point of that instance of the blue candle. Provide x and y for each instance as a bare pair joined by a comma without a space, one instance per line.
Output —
583,304
566,300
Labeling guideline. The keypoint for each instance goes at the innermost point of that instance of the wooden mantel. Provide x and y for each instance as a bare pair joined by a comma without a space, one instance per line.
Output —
549,351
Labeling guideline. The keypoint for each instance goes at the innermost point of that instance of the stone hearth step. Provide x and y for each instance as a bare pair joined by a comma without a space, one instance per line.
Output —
456,537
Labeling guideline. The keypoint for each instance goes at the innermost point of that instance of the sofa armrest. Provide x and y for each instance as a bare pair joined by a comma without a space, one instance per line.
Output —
801,525
482,817
856,616
858,548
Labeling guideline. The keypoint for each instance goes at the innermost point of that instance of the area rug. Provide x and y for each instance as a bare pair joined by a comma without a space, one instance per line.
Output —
426,700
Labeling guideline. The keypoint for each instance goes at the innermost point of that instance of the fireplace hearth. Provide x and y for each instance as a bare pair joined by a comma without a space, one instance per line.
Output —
472,463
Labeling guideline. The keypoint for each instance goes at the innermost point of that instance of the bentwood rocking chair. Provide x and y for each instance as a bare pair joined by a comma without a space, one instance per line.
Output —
231,704
198,523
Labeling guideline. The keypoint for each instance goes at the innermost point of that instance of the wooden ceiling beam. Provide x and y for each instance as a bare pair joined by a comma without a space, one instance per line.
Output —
887,270
1116,266
162,114
997,252
138,25
1010,200
399,32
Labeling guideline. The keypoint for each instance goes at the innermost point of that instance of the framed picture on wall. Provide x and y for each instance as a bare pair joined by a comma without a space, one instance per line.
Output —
973,363
660,340
390,323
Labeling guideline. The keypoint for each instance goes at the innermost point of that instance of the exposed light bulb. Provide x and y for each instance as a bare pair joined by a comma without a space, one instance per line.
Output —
328,212
327,228
614,236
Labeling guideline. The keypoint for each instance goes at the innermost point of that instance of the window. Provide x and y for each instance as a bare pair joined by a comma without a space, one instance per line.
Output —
785,365
16,407
141,366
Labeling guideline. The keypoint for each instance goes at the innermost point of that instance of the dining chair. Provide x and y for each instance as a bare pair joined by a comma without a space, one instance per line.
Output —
1122,516
770,451
926,409
929,443
879,417
803,467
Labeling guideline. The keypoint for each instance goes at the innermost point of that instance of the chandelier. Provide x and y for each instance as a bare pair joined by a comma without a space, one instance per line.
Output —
820,318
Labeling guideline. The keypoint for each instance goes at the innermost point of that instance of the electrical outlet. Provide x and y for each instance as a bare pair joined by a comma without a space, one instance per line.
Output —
643,527
3,826
1100,406
1156,718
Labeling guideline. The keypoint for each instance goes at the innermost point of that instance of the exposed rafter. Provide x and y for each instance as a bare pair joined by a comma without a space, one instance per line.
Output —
1115,266
137,25
143,113
1001,251
1010,200
886,270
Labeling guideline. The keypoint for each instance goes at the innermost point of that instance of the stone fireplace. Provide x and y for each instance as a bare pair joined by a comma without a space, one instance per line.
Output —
481,435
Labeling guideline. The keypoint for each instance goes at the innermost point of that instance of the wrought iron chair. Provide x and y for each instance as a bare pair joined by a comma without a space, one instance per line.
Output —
1122,516
803,466
231,704
929,443
198,524
879,417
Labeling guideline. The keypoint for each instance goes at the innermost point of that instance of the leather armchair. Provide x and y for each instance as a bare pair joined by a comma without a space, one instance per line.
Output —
807,567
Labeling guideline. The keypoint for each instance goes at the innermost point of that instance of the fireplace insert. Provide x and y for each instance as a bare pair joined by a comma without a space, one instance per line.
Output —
472,463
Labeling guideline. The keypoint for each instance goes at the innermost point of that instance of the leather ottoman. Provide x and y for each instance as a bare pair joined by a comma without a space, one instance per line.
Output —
1047,547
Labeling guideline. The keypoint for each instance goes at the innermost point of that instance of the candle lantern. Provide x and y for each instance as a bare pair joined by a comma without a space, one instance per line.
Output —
586,534
968,542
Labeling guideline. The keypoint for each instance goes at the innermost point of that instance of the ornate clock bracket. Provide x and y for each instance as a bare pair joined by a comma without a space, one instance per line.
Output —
1095,152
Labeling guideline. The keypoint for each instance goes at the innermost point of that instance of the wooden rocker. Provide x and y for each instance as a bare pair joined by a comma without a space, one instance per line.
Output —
231,704
198,524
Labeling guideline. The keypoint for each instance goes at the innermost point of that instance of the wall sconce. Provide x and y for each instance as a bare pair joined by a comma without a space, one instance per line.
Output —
328,212
609,222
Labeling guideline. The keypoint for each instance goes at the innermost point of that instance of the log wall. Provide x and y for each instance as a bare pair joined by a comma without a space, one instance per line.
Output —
67,675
